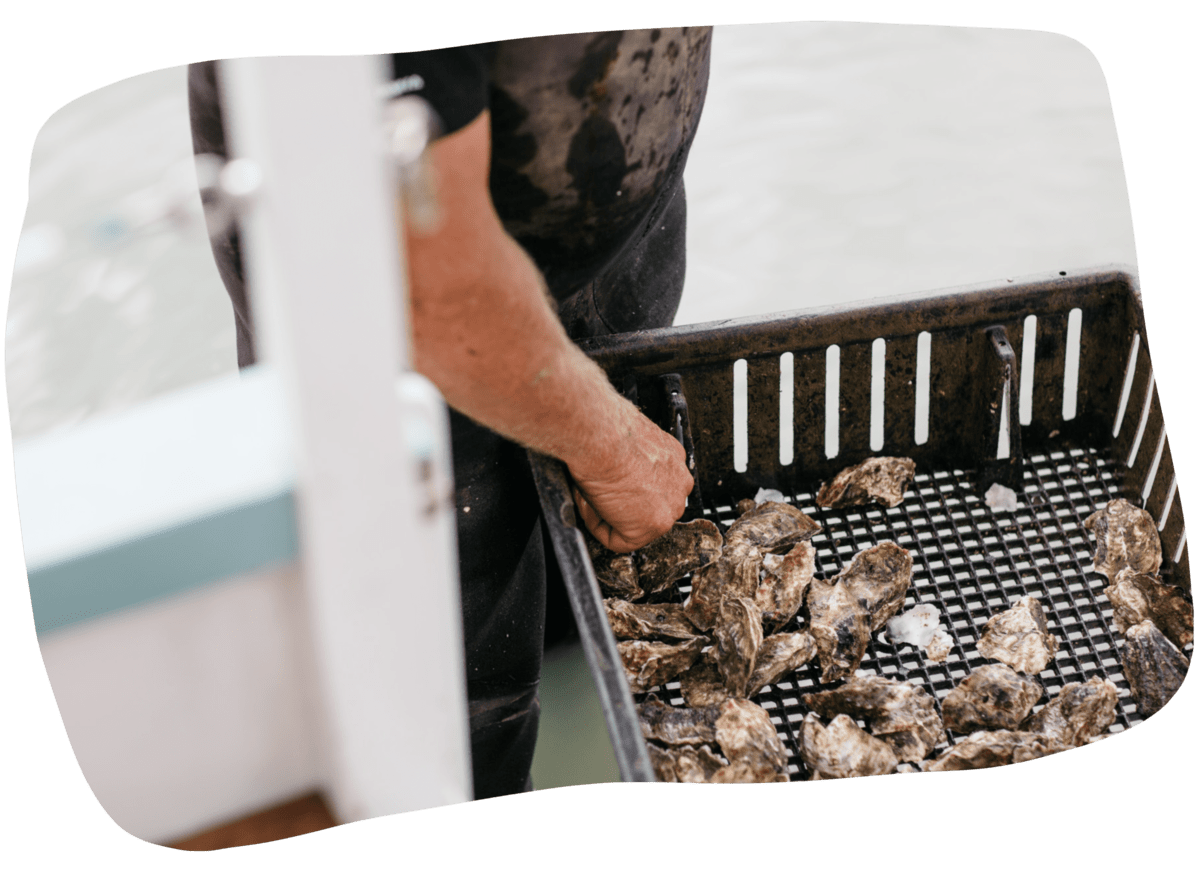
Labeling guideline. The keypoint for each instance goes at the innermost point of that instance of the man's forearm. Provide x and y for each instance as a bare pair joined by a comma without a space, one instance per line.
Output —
485,333
550,397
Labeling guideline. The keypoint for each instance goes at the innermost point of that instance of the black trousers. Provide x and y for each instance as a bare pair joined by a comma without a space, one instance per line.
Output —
503,558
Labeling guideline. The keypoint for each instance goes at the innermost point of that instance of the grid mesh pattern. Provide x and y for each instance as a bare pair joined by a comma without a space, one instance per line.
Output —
970,562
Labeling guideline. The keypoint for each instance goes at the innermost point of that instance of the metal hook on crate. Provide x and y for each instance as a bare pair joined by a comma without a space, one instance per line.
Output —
999,448
678,424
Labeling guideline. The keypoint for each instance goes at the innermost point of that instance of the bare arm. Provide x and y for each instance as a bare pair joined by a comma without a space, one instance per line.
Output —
484,333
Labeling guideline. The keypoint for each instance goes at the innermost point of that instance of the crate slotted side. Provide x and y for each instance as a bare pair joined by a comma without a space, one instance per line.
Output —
969,561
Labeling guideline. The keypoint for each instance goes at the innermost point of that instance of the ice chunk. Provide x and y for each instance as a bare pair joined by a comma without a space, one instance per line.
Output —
768,495
916,626
1001,498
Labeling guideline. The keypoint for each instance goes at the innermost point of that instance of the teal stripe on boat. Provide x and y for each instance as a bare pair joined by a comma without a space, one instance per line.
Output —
171,561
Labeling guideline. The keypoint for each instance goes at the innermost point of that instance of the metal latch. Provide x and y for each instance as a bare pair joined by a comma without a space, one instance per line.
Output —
999,446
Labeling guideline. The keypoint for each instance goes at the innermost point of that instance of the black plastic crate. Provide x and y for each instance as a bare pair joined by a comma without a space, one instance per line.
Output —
959,356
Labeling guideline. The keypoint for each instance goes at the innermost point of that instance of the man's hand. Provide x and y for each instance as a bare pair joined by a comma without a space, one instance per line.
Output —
634,501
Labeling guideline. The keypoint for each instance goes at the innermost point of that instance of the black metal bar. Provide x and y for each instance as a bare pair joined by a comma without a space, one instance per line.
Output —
595,634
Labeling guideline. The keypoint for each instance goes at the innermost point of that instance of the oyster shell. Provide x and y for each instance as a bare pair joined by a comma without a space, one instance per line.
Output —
702,685
939,647
738,635
1126,536
877,479
778,655
681,550
992,697
1153,666
651,663
898,713
749,741
678,726
616,573
648,621
842,750
840,624
984,750
685,764
746,773
771,527
1019,637
1136,597
1077,713
879,576
734,574
785,580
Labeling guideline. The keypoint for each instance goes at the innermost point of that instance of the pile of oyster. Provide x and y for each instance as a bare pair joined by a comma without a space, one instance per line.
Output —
1154,618
726,643
992,706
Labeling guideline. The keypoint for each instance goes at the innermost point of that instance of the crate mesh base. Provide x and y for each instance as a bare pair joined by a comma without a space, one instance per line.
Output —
970,562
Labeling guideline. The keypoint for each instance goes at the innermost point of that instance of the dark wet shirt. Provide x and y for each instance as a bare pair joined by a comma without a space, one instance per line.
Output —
589,131
590,134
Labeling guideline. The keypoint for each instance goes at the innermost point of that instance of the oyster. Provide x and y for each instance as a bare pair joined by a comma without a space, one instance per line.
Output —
842,750
877,479
992,697
681,550
984,750
939,647
1136,596
1153,666
745,505
616,573
785,580
734,574
898,713
1077,713
1125,536
771,526
685,764
738,635
746,773
702,685
663,762
879,576
678,726
749,741
841,626
647,621
1019,637
651,663
778,655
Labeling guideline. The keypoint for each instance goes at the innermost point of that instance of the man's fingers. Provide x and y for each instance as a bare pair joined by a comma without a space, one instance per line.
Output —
595,524
602,530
